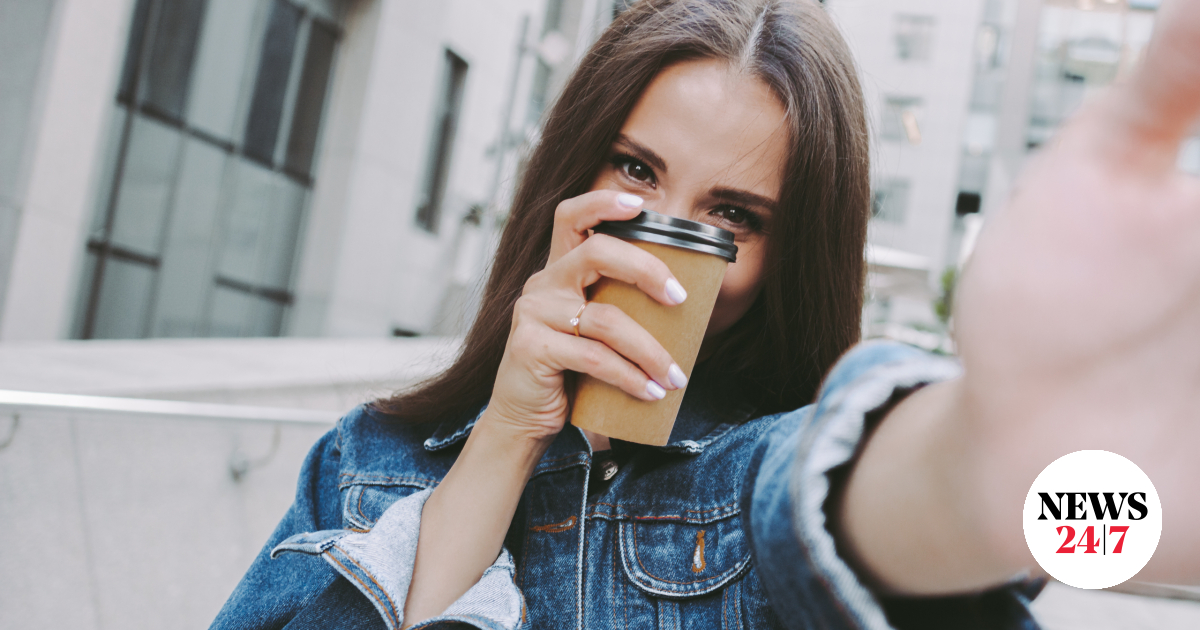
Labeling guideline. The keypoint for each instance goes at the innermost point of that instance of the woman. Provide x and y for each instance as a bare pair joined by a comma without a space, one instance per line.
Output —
472,500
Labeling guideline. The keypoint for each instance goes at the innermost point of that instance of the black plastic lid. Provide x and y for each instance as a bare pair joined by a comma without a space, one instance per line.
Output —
653,227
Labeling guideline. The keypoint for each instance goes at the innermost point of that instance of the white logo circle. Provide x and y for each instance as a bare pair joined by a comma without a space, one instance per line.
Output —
1092,519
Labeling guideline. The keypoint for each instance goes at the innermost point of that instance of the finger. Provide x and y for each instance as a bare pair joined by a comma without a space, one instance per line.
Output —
603,255
610,325
1162,101
574,217
588,356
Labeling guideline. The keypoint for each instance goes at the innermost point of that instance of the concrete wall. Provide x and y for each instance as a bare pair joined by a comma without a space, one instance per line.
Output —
137,522
24,28
82,55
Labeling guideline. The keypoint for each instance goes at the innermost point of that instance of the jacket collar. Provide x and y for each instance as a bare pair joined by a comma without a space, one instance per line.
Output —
711,407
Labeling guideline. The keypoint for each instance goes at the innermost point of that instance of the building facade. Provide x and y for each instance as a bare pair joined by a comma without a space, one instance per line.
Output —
962,93
192,168
181,168
916,61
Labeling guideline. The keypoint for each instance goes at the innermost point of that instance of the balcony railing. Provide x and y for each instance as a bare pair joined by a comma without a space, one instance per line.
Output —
135,513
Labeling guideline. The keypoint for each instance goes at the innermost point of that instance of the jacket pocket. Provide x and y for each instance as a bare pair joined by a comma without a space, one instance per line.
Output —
365,500
683,558
688,570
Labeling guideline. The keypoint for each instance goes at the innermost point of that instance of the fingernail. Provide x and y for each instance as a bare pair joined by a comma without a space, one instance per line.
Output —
675,291
630,201
678,378
655,391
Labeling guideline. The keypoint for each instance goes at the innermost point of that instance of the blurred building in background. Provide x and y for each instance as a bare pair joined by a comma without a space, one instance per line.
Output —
917,60
193,168
962,93
225,168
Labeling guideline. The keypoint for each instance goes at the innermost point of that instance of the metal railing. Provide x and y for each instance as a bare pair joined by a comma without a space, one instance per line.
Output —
15,404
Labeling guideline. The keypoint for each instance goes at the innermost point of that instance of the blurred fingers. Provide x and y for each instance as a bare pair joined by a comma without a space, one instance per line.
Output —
1158,108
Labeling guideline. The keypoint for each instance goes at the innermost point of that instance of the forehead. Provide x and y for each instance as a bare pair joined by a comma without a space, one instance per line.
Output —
713,126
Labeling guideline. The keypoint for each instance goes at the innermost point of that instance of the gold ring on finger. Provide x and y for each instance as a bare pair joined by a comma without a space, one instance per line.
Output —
578,314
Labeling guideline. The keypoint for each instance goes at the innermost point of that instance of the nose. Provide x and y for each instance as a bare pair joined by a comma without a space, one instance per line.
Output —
676,206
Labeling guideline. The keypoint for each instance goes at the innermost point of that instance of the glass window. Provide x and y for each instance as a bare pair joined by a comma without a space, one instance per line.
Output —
281,231
914,37
437,169
147,181
901,119
227,40
262,226
168,69
968,203
230,311
987,47
310,99
239,311
554,16
133,51
1080,52
194,234
186,269
266,318
124,300
245,222
270,84
890,200
973,174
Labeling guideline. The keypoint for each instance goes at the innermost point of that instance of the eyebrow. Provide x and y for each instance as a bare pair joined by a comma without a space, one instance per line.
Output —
744,198
643,153
729,195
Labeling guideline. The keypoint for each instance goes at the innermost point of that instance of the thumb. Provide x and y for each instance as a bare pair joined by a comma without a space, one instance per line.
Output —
1158,107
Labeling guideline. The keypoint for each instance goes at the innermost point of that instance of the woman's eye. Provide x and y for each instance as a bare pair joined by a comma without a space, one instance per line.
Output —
636,171
739,218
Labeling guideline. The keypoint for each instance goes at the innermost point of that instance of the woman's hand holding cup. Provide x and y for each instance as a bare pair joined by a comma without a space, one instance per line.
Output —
530,396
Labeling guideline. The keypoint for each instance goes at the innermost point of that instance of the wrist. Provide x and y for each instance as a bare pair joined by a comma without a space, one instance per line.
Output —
501,440
517,428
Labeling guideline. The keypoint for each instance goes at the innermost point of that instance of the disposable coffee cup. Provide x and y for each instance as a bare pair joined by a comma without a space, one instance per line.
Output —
697,254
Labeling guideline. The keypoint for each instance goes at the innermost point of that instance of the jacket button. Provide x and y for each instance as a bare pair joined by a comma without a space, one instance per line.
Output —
608,469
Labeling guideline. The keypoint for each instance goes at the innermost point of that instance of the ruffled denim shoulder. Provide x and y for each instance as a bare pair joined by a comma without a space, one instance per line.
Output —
789,488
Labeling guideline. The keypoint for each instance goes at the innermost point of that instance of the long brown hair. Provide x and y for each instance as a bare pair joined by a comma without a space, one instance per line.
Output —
808,312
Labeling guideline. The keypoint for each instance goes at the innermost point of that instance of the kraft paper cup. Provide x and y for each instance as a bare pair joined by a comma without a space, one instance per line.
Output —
698,255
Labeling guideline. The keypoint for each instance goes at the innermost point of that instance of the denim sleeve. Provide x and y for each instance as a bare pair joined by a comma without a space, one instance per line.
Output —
287,581
785,497
380,564
273,590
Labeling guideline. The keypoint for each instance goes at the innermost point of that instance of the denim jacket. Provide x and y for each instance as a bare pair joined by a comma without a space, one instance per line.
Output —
725,527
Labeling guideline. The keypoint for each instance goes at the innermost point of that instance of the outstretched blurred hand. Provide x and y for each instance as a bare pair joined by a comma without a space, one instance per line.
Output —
1078,317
